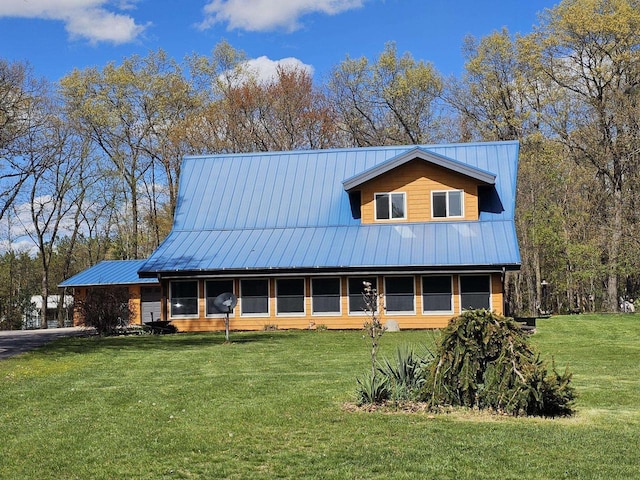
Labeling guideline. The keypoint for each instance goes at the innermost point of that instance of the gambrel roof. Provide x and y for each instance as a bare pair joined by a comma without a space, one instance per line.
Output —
284,211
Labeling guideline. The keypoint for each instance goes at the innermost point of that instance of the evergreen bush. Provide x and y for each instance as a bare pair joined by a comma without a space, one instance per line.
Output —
484,361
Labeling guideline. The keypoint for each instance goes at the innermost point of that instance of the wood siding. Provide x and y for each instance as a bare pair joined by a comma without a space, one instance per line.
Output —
417,179
343,320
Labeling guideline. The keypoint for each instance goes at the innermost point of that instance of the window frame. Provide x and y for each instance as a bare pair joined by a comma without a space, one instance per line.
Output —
241,299
186,315
447,203
451,296
330,313
206,295
490,292
360,313
304,298
390,206
413,289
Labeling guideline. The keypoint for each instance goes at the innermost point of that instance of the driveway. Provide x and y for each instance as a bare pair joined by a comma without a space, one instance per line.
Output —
13,342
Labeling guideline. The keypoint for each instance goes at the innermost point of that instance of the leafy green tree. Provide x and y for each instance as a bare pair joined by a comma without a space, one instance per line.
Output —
21,96
590,51
394,100
130,111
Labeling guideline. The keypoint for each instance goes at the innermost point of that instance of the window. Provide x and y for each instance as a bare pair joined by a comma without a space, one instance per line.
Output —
389,206
254,297
184,299
356,288
437,294
475,291
399,294
325,295
447,204
214,288
290,295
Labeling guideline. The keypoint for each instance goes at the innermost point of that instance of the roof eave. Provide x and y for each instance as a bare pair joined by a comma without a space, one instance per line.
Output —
422,154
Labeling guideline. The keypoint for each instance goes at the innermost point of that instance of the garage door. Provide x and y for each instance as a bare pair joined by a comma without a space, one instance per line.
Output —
150,304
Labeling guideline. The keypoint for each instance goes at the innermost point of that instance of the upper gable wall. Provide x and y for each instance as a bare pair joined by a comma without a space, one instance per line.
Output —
417,179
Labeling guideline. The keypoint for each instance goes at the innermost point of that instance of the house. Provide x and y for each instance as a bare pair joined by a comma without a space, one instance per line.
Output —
294,234
144,293
31,318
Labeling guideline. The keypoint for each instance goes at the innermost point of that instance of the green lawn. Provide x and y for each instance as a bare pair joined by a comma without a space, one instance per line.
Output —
270,405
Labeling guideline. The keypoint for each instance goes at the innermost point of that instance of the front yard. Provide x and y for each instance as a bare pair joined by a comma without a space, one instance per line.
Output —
271,405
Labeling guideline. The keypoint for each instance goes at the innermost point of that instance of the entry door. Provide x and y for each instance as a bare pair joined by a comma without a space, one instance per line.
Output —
150,304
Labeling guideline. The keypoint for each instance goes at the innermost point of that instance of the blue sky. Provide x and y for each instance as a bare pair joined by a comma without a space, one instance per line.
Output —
55,36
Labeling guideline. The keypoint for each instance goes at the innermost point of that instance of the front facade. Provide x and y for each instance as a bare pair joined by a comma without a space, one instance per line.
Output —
294,234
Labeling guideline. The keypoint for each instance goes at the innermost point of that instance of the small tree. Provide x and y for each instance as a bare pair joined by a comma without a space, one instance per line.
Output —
484,361
106,309
372,388
372,326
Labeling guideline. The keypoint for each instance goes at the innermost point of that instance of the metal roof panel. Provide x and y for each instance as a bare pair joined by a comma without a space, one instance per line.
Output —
437,244
109,272
300,189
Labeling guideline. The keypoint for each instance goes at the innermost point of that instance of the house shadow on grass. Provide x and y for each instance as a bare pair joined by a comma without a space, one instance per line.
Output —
127,343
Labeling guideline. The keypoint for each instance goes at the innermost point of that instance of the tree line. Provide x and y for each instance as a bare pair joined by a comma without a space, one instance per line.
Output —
89,166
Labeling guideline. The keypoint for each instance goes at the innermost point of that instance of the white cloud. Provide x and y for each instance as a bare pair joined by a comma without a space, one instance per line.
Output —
263,15
94,20
265,69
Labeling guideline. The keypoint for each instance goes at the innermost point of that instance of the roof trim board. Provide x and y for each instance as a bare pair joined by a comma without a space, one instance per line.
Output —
421,154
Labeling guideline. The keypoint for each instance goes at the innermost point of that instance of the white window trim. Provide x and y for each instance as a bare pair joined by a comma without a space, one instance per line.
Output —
361,313
404,207
327,314
476,275
191,315
447,198
400,312
256,315
216,315
304,299
436,312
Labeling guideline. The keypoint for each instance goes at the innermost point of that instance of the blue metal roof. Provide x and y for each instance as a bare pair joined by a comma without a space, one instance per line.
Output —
290,210
435,244
109,272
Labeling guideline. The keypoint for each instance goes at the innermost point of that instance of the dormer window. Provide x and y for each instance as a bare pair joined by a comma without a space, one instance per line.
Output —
447,204
390,206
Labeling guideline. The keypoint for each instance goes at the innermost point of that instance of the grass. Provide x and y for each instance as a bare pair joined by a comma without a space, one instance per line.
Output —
270,405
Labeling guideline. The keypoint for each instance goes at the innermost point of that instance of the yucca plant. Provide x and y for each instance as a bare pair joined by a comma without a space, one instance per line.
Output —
406,374
372,389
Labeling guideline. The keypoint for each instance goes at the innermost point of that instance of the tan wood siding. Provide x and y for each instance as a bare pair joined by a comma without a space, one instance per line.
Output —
417,179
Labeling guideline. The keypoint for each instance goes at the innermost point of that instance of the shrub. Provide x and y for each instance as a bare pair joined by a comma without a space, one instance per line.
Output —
106,309
484,361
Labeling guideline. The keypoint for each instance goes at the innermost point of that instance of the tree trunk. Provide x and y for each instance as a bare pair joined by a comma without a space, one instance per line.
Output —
613,251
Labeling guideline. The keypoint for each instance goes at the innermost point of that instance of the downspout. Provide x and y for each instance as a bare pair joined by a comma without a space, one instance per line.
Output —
503,276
